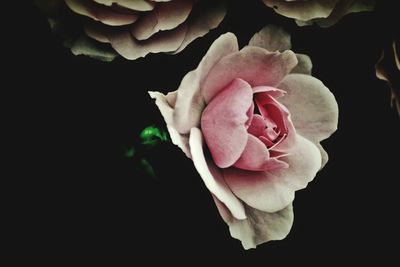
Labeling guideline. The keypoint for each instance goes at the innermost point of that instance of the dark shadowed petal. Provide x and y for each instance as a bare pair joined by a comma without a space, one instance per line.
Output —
208,15
128,47
101,13
388,69
259,227
303,10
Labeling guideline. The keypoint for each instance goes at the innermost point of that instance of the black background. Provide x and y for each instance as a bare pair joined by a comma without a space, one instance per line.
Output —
86,203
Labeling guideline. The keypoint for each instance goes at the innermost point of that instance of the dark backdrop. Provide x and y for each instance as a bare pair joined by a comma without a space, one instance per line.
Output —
88,203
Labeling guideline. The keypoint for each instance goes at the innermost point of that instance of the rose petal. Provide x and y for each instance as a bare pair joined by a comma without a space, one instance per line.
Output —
208,18
256,157
312,106
259,227
271,191
272,91
166,16
130,48
88,47
190,102
255,65
257,126
139,5
223,123
165,104
101,13
276,115
212,177
271,38
324,155
303,10
388,69
304,64
343,8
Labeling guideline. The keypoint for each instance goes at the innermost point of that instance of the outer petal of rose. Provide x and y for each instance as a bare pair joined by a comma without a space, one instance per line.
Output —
343,8
88,47
255,65
165,16
202,22
165,104
139,5
312,106
286,122
128,47
101,13
223,123
272,38
190,103
212,177
259,227
304,64
324,156
271,191
256,157
303,10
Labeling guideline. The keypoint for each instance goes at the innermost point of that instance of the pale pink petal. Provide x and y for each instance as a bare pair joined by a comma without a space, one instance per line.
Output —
165,16
165,104
271,191
212,177
209,17
324,155
272,38
304,64
101,13
259,227
255,65
256,157
127,46
257,126
190,102
250,115
97,31
313,107
223,123
272,91
139,5
278,115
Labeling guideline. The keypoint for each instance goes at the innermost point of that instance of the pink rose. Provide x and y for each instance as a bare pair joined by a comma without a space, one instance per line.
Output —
323,12
137,28
251,120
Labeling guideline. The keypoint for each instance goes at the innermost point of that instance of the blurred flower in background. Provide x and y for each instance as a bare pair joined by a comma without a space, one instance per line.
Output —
103,29
325,13
388,69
